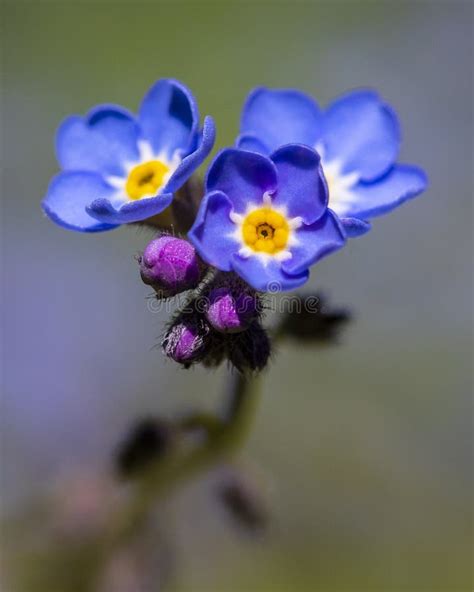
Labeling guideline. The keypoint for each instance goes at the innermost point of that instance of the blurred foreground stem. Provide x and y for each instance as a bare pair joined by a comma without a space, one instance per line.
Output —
79,565
223,437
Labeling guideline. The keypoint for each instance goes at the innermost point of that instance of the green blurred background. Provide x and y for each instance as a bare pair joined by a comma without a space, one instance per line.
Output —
366,449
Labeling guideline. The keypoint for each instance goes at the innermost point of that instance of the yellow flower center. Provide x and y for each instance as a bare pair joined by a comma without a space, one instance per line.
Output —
265,230
145,179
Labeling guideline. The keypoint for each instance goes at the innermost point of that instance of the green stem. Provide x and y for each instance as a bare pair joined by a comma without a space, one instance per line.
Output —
57,567
223,440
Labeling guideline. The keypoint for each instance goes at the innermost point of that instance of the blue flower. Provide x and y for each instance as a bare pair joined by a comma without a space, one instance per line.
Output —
358,138
118,168
266,218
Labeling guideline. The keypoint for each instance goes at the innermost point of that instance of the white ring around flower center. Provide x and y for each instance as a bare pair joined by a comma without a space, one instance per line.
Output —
340,185
146,154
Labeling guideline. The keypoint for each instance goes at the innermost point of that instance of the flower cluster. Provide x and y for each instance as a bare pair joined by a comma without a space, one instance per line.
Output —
220,320
298,184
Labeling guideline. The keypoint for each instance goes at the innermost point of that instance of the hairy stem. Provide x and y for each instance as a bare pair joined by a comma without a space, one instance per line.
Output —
227,435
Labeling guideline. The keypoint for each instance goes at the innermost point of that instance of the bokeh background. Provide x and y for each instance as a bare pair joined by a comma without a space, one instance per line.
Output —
365,449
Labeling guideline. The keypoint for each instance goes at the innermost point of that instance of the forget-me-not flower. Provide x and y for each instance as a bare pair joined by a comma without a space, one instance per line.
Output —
266,218
118,168
358,138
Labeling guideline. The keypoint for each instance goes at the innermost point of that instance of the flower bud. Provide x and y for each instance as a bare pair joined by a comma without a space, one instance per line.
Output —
170,265
244,502
251,349
149,440
186,340
311,320
229,311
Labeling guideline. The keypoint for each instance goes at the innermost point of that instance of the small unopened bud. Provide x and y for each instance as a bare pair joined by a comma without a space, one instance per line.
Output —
186,340
313,321
170,265
250,350
244,503
149,439
229,311
218,349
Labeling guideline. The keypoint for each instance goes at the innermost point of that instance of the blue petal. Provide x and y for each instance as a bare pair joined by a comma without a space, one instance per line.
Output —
103,141
243,176
68,195
267,276
189,164
169,117
278,117
362,133
251,143
212,230
354,227
131,211
315,241
301,185
401,183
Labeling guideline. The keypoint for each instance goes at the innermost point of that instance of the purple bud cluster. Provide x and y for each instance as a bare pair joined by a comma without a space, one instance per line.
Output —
221,318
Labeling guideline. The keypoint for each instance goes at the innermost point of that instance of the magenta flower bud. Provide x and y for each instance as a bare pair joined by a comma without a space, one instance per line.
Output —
186,341
170,265
229,311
